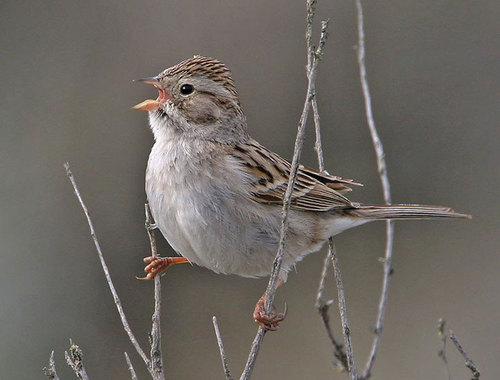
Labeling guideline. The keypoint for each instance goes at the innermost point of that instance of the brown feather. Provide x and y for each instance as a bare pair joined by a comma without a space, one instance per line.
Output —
313,191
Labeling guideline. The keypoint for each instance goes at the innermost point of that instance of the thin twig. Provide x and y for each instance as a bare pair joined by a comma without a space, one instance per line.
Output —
384,179
156,350
321,304
346,331
221,349
131,369
74,358
468,362
271,288
118,303
50,371
442,352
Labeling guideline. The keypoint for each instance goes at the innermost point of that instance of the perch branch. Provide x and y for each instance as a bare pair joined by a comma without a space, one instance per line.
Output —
468,362
131,369
384,179
118,303
271,288
156,350
50,371
221,349
74,358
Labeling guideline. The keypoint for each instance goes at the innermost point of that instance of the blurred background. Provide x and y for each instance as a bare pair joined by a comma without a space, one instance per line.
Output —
66,73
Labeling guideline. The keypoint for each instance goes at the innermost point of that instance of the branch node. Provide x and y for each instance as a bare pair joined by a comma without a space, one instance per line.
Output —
50,371
74,358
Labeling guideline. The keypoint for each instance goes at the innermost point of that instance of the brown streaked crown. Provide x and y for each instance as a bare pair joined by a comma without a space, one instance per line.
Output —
204,67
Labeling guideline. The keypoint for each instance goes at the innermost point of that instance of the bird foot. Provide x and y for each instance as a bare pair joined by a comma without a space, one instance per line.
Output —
271,321
158,264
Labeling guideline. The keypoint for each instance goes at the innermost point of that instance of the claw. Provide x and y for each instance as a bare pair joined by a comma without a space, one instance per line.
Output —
271,321
157,265
145,278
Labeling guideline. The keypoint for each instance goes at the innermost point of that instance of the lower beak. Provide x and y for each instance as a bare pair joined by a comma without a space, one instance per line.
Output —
147,105
150,104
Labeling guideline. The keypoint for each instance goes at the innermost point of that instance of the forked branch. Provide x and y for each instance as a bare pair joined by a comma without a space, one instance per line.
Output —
154,367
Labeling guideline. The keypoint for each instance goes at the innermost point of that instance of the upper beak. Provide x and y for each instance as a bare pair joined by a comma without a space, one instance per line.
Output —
155,81
150,104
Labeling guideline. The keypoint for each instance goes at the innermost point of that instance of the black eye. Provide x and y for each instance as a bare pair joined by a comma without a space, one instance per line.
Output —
186,89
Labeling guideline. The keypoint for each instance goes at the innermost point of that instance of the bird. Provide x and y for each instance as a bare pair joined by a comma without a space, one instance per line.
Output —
216,194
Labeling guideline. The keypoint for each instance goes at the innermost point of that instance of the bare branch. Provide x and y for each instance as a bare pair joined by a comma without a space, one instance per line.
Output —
252,357
321,304
346,331
221,349
468,362
131,369
156,350
442,352
384,179
74,358
118,304
50,371
273,280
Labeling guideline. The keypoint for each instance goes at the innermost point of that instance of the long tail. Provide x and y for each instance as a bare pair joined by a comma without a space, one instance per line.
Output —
405,212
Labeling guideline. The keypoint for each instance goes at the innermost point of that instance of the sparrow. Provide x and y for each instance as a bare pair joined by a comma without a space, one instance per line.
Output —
216,194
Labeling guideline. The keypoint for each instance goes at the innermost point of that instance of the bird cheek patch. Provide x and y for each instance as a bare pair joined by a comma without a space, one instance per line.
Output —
202,111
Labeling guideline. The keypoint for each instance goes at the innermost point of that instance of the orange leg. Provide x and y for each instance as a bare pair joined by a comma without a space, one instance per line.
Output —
271,321
158,264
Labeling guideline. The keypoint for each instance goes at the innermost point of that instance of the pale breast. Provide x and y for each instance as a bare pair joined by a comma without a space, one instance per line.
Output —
202,207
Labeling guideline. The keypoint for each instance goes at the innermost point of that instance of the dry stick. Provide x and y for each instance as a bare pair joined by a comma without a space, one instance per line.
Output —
156,351
50,371
221,349
131,369
442,352
118,303
74,358
323,307
346,331
271,288
468,362
321,304
382,171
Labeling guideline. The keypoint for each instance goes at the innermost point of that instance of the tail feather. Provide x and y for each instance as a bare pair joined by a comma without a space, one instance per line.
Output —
405,212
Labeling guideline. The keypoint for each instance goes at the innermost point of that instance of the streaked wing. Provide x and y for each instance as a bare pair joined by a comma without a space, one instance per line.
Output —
269,174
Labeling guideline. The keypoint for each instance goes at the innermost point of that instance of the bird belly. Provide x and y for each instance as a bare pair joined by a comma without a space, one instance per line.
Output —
206,219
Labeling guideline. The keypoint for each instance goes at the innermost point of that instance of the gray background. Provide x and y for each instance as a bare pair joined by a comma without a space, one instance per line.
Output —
66,73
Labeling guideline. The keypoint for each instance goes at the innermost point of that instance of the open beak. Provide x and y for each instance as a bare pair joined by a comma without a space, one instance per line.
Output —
150,104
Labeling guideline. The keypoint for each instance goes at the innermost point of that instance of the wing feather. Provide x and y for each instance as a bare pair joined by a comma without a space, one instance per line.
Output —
269,175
